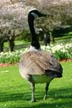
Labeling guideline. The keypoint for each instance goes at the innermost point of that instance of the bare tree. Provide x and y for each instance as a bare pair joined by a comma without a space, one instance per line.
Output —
13,13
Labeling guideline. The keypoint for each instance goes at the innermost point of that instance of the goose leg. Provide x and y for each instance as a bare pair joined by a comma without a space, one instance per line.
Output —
33,92
46,90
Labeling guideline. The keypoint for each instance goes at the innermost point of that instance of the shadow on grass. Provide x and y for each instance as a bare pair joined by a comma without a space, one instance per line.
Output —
61,98
47,105
14,97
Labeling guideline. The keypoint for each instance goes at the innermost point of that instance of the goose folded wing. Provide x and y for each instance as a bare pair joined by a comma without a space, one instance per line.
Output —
39,62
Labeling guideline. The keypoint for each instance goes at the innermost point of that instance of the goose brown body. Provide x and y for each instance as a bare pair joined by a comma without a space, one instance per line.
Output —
35,63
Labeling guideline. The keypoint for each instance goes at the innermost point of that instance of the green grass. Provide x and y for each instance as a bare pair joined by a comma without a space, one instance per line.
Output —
19,44
15,92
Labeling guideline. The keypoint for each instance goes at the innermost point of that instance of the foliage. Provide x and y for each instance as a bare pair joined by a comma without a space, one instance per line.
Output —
60,51
15,92
10,57
62,55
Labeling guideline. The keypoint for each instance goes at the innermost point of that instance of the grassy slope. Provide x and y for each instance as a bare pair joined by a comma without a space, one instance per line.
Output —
16,92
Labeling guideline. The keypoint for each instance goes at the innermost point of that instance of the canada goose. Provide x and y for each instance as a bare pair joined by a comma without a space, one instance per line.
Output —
38,66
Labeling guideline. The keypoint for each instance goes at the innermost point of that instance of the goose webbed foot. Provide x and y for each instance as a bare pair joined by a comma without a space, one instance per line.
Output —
33,100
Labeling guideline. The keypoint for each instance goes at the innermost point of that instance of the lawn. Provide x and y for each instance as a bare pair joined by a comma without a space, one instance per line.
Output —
15,92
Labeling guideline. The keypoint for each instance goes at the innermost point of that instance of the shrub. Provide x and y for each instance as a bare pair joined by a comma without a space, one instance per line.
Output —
59,51
60,55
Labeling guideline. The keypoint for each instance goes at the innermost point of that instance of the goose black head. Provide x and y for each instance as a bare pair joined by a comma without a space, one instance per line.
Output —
35,13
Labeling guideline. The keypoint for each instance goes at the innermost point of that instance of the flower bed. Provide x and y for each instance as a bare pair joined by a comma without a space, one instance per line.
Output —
59,51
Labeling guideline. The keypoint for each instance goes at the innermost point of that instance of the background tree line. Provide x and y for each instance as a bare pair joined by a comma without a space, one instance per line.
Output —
13,18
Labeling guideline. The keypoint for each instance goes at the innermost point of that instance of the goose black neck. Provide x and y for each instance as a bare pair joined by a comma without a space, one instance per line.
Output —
34,42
